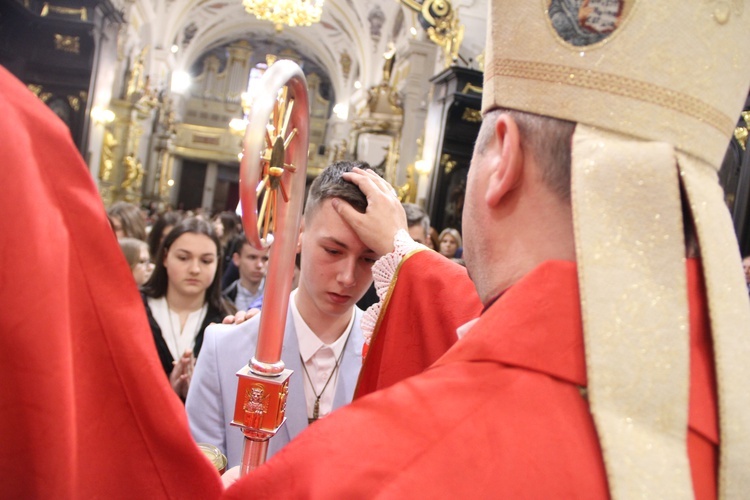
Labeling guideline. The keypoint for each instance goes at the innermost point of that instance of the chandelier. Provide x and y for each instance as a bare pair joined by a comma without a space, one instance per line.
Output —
285,12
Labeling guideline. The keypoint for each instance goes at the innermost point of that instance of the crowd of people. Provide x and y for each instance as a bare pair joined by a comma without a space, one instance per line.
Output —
194,270
176,261
595,345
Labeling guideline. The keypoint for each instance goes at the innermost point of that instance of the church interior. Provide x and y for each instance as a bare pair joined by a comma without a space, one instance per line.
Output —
156,93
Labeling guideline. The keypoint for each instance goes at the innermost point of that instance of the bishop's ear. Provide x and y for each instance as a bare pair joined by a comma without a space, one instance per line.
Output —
506,158
299,235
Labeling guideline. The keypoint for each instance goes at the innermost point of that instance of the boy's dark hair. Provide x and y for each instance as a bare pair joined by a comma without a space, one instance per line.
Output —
154,237
237,243
331,184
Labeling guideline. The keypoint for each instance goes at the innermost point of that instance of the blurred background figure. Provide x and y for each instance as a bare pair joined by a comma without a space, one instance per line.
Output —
746,268
247,291
161,228
227,226
138,258
450,243
127,220
183,297
418,223
433,241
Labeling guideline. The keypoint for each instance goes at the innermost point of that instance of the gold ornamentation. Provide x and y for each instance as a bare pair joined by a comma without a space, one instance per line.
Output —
283,396
256,406
274,166
447,163
444,28
107,162
74,102
741,133
407,193
133,173
480,62
65,11
37,90
471,88
723,9
472,115
612,84
285,12
135,75
65,43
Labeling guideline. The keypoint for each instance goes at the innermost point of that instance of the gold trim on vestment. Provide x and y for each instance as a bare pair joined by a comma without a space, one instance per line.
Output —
613,84
729,315
631,268
384,306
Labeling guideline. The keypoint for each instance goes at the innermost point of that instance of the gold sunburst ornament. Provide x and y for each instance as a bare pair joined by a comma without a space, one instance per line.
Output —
274,165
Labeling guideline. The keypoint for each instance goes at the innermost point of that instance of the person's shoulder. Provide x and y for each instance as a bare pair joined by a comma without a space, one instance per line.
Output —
215,314
230,335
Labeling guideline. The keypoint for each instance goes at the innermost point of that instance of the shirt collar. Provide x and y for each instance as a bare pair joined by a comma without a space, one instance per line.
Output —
242,291
309,343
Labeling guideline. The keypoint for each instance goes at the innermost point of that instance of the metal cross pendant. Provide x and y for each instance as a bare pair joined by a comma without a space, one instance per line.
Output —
316,409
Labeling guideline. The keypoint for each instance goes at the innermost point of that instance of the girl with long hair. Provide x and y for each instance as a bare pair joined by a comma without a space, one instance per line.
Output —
138,258
183,296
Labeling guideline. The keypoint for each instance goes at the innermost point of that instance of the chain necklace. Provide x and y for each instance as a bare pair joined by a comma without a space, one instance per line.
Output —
316,407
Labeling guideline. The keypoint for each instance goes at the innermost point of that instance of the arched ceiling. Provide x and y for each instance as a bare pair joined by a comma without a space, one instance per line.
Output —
359,29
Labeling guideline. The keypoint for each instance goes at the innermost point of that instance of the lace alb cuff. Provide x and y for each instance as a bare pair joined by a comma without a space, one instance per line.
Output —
382,273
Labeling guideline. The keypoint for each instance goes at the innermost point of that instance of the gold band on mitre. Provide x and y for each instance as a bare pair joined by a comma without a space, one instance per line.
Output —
655,88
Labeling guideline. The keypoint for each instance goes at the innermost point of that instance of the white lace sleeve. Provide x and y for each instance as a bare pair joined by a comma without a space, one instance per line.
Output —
382,272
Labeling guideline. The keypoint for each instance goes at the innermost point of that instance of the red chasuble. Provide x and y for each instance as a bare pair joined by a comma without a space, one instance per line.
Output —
418,321
502,413
86,409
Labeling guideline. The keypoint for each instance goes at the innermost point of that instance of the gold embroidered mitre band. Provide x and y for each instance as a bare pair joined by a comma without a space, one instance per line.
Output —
656,89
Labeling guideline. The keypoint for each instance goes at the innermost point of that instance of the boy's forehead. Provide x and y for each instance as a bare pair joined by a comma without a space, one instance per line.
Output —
247,248
327,222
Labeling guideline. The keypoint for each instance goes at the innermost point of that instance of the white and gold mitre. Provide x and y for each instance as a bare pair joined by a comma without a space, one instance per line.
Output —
674,71
656,88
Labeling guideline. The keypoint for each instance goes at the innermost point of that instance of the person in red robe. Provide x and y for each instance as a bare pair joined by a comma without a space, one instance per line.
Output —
591,370
505,407
86,410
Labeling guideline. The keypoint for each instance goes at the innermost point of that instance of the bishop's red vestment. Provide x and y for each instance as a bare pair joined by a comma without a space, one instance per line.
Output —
86,409
503,412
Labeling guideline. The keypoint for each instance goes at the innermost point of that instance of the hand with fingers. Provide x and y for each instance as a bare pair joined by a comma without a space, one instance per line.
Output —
240,317
384,216
182,373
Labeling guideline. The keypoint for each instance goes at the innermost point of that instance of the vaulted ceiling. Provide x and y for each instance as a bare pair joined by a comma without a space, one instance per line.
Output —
350,30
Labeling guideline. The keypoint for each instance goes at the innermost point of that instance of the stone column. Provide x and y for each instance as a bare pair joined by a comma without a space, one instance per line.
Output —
415,63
